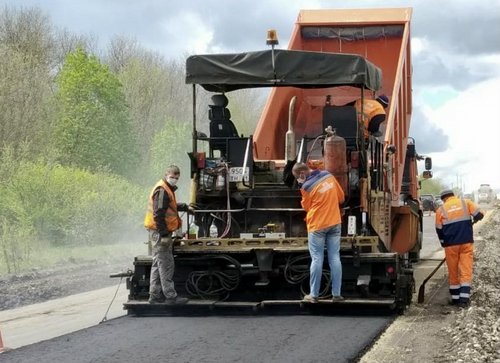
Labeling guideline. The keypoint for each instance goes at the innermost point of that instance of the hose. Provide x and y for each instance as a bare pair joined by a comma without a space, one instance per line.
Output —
296,269
210,284
297,272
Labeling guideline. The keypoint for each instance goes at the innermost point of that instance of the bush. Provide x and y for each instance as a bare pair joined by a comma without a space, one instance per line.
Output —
108,211
16,245
56,205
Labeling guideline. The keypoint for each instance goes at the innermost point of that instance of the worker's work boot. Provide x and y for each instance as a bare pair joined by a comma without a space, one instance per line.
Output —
310,299
337,298
177,301
154,300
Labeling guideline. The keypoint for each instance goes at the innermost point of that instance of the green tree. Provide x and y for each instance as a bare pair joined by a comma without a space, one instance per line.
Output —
246,106
170,146
26,46
154,88
145,84
28,32
431,186
93,127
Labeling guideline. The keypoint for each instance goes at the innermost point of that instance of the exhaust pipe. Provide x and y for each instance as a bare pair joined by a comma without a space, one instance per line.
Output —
290,151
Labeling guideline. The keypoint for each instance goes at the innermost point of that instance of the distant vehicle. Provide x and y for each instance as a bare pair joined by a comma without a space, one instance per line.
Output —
437,202
485,194
427,202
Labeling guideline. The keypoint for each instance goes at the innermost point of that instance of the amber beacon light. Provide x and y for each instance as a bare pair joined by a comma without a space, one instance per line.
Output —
272,40
272,37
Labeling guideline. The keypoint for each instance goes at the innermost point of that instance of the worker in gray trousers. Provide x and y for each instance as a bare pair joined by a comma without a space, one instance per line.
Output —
162,219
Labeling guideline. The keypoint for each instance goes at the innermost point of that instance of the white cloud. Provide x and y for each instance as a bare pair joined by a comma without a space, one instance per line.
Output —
186,32
472,123
418,45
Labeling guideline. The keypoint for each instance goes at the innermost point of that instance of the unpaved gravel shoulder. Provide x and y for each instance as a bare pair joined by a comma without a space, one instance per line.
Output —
415,336
41,285
437,332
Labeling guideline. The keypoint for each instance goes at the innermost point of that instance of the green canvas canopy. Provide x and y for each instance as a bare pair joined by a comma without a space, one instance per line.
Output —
229,72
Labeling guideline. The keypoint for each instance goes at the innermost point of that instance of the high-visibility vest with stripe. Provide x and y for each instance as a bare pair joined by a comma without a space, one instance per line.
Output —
453,218
321,196
172,220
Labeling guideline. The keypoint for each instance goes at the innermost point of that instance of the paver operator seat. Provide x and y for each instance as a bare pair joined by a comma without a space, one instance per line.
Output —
221,126
344,120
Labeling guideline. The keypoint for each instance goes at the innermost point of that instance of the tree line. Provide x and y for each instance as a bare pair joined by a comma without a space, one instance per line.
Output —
85,132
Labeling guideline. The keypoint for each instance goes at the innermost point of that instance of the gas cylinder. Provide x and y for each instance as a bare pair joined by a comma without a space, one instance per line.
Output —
315,157
336,158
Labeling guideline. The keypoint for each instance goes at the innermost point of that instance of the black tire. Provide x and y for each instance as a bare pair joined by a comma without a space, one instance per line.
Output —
404,290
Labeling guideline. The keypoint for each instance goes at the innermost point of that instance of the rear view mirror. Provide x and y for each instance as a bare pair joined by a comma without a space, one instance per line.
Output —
427,174
428,164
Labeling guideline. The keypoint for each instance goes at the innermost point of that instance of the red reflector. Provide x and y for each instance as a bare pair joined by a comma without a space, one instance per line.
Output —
200,160
390,269
355,159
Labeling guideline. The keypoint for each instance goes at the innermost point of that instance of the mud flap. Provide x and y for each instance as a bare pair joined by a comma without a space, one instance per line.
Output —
265,263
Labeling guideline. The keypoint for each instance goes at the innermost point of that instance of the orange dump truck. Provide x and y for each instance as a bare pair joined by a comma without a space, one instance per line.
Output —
250,241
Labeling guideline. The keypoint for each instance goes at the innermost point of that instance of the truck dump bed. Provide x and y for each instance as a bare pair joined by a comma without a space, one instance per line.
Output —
379,35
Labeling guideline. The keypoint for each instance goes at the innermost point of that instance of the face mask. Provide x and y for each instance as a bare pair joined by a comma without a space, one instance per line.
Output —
172,181
301,180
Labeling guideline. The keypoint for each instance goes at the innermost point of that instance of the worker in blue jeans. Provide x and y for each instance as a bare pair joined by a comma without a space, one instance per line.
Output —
321,199
317,240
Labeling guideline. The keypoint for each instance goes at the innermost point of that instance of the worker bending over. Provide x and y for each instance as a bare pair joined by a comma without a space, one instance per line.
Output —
454,220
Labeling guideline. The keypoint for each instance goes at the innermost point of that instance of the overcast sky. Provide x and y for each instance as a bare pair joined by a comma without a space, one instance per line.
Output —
455,45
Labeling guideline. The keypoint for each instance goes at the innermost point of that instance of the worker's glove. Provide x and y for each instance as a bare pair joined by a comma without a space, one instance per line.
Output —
182,207
177,236
155,237
442,243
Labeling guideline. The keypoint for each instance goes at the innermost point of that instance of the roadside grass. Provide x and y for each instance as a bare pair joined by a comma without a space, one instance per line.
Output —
51,257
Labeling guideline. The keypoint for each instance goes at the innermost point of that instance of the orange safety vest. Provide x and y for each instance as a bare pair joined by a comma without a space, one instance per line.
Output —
321,196
172,220
453,221
371,108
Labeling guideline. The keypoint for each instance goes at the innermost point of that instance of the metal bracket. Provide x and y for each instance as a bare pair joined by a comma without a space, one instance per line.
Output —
356,260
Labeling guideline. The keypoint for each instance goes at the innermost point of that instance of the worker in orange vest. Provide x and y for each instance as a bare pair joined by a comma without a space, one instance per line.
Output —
373,113
162,220
454,220
321,197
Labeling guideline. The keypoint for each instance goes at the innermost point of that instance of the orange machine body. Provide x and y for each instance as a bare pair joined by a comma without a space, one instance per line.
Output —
392,55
